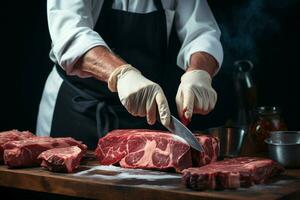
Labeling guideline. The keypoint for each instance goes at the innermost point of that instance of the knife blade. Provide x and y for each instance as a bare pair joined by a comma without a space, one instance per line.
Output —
177,128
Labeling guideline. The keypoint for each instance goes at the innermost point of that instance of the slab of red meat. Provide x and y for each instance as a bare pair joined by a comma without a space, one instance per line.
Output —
15,134
12,135
231,173
211,146
149,149
24,153
65,159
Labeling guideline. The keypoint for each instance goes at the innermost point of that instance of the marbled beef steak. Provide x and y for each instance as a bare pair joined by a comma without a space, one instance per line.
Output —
65,159
211,146
152,149
12,135
231,173
24,153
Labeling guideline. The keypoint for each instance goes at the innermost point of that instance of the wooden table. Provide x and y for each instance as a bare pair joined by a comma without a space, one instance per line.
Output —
107,182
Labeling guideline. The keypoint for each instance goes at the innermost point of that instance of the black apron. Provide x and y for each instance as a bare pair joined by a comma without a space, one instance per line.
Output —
85,109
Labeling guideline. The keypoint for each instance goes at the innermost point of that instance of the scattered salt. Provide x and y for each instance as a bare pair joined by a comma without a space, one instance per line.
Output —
126,173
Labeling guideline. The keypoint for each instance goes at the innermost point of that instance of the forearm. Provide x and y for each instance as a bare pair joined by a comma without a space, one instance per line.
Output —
99,62
203,61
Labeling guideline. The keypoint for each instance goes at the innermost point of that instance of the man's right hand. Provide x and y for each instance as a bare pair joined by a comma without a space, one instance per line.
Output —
140,96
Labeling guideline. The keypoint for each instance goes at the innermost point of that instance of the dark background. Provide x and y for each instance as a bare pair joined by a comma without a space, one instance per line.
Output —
264,31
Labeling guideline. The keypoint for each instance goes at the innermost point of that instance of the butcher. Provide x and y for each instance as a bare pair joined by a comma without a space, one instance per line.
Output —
110,65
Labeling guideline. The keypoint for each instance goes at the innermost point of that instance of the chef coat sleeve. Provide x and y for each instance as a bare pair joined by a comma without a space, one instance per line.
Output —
197,30
71,29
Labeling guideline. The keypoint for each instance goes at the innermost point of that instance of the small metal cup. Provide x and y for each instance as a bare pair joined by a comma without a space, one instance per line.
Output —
284,147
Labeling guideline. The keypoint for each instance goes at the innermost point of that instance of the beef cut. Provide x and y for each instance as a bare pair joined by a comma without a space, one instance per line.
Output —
65,159
231,173
24,153
15,134
142,148
211,146
12,135
150,149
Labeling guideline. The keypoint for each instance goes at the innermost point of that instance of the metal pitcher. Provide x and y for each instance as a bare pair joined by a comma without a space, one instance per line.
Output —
246,94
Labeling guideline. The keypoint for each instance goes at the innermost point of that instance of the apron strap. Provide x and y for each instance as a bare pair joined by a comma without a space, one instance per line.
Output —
106,117
158,5
107,4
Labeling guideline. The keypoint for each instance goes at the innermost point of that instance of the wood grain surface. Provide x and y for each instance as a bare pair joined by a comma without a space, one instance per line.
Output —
100,182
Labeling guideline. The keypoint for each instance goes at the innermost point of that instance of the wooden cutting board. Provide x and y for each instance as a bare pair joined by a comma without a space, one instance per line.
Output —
109,182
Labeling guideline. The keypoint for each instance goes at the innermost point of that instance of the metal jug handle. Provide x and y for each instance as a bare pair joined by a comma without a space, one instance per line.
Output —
243,65
244,68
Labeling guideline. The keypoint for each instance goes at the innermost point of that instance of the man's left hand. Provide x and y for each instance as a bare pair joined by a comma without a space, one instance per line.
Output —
195,95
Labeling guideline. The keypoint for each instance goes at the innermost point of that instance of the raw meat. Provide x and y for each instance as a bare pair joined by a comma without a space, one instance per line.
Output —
16,135
231,173
24,153
65,159
12,135
140,148
148,149
211,146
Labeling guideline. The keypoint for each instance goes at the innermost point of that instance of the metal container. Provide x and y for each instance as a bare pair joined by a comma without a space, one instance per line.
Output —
284,147
231,140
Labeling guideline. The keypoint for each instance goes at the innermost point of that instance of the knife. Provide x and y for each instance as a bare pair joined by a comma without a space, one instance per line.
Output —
177,128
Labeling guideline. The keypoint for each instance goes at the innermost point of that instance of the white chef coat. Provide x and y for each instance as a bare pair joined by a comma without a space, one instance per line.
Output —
71,25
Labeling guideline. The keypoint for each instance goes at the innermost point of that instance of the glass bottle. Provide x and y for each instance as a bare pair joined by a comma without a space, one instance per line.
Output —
267,119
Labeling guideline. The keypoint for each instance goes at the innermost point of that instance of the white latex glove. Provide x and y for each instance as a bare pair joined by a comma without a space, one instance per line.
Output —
195,95
140,96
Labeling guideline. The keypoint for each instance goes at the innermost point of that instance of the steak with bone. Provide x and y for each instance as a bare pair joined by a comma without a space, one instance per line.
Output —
231,173
65,159
151,149
24,153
